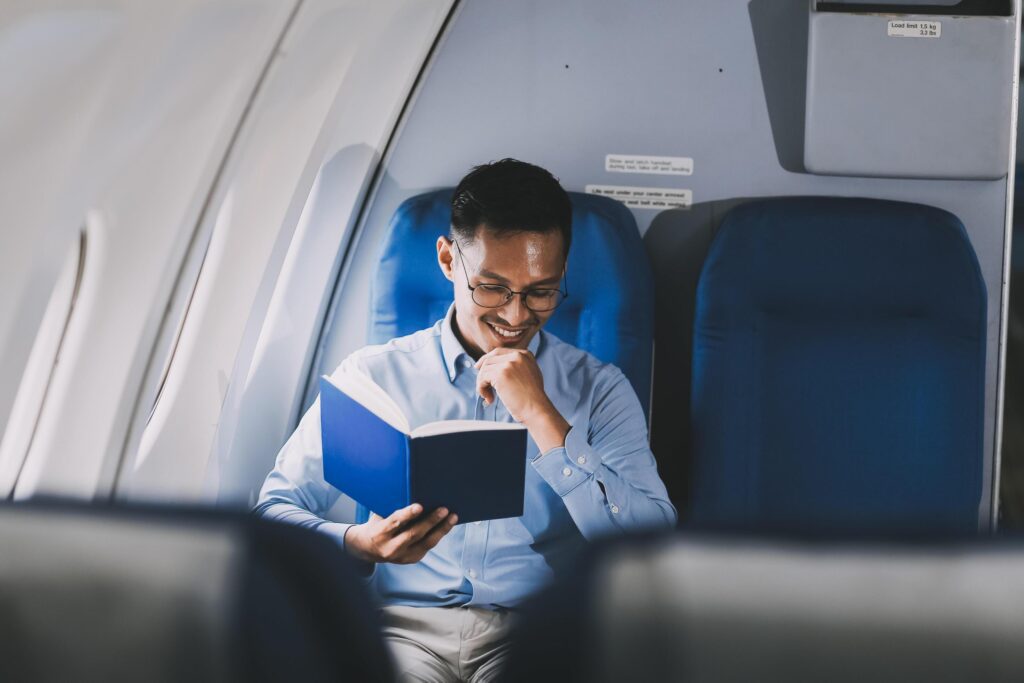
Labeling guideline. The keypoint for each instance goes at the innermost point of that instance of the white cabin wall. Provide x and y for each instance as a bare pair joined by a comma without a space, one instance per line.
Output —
121,111
282,213
63,56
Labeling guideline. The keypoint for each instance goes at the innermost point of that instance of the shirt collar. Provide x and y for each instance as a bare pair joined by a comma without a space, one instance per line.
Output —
454,353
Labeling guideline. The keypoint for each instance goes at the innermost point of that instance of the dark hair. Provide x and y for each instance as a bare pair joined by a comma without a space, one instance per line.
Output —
509,197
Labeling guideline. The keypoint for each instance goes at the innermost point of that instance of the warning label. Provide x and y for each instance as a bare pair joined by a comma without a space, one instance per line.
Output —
632,163
915,29
645,197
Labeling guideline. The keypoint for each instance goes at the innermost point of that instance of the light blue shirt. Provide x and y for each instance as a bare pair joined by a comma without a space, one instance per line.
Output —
604,481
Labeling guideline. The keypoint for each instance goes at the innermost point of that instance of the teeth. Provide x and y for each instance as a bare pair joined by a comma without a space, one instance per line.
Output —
503,333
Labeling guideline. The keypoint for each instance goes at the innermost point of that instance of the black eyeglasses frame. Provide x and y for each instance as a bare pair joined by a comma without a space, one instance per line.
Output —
523,294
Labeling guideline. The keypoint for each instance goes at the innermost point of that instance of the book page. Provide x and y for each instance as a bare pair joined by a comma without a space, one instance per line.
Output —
361,388
451,426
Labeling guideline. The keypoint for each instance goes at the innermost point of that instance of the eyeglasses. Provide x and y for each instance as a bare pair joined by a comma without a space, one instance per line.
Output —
537,300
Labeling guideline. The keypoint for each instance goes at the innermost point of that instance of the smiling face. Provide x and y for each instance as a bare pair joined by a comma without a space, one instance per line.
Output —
520,261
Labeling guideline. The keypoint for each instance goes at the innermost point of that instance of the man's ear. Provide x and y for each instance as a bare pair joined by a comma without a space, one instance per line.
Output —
445,257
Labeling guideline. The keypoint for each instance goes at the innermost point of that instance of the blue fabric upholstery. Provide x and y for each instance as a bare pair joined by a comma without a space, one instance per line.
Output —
610,309
838,368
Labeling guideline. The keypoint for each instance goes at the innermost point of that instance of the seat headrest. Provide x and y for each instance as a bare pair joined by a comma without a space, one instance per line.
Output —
610,309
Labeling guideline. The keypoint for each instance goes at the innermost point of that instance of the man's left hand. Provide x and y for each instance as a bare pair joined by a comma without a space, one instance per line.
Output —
516,377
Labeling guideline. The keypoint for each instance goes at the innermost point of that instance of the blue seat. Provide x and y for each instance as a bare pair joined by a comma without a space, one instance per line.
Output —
610,309
839,369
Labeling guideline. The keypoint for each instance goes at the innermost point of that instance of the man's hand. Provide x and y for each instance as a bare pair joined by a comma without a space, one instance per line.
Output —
401,538
515,376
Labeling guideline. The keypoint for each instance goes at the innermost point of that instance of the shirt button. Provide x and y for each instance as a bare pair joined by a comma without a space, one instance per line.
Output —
615,509
472,574
567,472
582,459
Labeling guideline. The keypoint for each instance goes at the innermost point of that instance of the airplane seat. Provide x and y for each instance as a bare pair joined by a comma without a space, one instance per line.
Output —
703,608
839,369
101,593
610,308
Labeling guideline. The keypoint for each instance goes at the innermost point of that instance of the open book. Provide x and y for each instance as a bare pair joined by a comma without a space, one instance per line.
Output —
475,468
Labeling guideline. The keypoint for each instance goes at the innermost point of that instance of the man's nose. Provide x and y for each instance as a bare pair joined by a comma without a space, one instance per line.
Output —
515,311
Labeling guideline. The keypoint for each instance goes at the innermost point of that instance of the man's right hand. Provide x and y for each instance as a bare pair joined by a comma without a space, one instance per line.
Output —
401,538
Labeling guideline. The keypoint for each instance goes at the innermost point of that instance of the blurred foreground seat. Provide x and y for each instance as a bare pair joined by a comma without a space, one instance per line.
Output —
718,609
112,594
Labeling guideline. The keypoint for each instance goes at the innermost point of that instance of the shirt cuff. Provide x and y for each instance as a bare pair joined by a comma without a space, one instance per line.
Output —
566,467
337,531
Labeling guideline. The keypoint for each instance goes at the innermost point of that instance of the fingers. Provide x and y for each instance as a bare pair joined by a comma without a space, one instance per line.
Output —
416,531
435,535
490,367
484,388
413,543
506,369
399,518
500,354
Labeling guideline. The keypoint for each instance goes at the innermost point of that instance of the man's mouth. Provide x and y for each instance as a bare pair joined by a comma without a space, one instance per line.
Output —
508,333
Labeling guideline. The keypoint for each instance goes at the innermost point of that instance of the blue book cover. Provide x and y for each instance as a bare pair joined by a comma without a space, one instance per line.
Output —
476,469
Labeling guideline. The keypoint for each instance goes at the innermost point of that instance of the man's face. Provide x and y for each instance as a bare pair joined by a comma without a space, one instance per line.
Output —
522,261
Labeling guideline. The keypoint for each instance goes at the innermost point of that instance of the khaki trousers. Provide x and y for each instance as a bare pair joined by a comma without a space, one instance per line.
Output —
441,644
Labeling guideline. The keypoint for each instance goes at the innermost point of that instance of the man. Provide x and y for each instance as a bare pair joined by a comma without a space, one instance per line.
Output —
446,590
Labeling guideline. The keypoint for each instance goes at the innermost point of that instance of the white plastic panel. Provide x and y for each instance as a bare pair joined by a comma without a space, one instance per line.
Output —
882,104
122,109
51,55
327,109
35,381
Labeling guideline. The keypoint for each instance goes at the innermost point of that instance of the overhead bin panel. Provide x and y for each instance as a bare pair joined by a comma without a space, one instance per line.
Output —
910,90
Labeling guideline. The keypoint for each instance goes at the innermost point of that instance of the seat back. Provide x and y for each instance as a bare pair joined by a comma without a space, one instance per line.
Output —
839,368
610,309
96,593
705,609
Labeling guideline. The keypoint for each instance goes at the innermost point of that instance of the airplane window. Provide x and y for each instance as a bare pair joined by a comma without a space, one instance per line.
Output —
31,396
178,308
182,313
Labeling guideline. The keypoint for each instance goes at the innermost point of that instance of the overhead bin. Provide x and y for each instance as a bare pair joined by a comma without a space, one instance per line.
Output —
910,90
